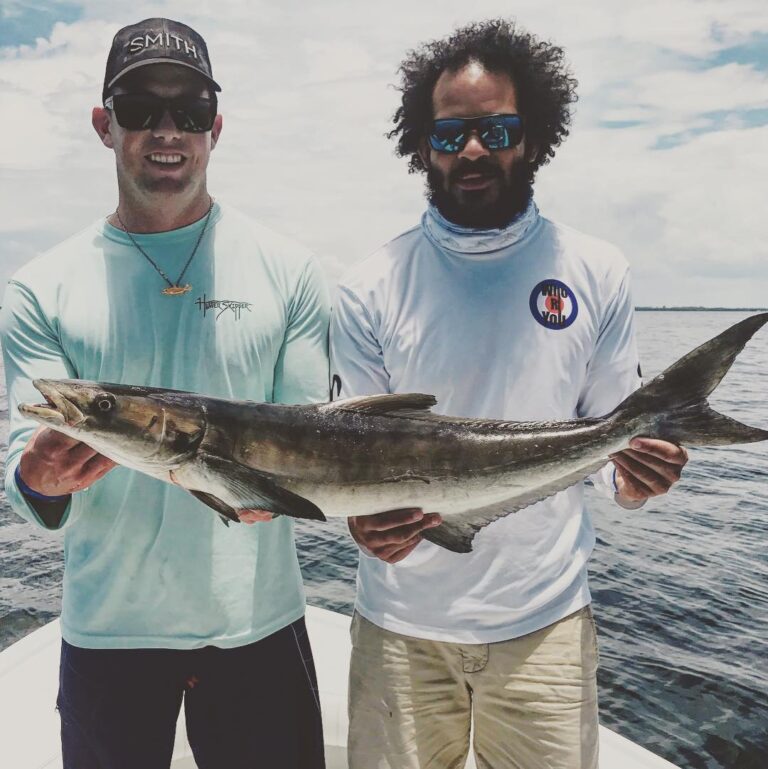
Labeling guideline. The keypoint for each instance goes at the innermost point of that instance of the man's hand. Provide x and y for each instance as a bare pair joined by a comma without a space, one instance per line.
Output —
56,465
648,468
253,516
391,536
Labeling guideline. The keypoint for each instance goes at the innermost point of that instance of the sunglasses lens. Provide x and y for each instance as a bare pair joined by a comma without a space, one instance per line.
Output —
448,135
139,112
500,131
494,135
193,115
136,112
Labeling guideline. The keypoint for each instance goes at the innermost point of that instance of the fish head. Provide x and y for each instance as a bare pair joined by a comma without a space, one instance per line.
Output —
135,426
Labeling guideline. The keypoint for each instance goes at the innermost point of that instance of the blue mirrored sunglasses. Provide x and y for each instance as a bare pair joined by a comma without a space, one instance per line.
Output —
496,132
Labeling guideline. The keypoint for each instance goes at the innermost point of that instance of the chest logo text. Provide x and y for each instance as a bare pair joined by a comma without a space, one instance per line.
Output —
553,304
222,305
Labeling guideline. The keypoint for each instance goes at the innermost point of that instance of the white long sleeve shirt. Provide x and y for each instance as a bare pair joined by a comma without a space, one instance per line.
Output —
531,322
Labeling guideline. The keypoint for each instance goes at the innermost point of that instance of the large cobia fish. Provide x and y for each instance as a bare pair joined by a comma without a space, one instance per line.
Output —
369,454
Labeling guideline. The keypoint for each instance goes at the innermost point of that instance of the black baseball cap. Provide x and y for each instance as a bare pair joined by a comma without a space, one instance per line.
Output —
156,41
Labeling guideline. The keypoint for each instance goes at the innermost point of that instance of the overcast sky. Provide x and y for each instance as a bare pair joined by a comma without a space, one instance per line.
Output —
667,158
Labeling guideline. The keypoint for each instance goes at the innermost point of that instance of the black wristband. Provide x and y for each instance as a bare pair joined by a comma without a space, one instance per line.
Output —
36,495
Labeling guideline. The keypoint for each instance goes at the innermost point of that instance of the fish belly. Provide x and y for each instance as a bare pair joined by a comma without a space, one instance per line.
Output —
460,494
445,497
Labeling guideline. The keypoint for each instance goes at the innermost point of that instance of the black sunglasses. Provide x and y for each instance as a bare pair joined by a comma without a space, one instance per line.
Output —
496,132
142,111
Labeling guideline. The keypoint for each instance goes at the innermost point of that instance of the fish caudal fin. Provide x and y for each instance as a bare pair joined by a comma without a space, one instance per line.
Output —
702,425
675,402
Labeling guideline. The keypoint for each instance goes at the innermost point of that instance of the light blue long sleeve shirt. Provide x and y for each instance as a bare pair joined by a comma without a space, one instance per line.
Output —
146,564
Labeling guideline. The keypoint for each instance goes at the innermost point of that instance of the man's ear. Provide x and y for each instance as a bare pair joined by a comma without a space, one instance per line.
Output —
531,153
424,152
101,122
216,130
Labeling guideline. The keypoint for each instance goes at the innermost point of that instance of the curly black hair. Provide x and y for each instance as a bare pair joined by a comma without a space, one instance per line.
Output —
544,85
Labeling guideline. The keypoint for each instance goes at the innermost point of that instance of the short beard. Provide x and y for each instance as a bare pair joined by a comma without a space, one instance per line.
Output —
155,184
514,195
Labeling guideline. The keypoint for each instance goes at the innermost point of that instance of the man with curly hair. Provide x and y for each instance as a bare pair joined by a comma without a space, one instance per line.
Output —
501,314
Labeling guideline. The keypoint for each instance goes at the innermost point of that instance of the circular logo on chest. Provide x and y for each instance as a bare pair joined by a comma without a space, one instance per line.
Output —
553,304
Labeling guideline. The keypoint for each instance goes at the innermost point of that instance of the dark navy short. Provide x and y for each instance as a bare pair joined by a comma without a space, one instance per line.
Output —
245,708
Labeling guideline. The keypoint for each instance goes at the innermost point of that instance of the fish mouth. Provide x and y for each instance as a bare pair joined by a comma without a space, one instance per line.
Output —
57,409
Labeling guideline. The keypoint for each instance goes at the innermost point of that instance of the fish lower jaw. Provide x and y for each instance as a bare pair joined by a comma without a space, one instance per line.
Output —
43,413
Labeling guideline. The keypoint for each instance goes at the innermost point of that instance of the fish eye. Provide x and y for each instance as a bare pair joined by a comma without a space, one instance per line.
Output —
105,402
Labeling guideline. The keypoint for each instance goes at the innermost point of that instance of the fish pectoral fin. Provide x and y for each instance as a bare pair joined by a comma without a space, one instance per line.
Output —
254,490
385,403
226,513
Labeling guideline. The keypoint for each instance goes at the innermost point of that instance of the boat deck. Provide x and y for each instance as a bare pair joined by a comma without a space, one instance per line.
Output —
29,736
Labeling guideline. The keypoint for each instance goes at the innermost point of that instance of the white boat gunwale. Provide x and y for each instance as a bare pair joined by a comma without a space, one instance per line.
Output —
29,737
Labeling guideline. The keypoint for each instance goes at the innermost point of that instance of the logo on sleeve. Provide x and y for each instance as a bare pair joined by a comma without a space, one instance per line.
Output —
553,304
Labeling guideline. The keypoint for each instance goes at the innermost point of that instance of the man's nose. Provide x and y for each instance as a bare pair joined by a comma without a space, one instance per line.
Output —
474,148
166,128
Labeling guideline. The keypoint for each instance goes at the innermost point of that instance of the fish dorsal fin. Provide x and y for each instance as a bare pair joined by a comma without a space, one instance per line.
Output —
414,406
384,403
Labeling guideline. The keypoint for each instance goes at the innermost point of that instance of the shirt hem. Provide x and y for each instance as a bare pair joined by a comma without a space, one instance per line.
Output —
85,641
481,636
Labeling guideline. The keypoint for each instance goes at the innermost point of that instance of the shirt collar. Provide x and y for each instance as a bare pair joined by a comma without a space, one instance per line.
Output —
467,240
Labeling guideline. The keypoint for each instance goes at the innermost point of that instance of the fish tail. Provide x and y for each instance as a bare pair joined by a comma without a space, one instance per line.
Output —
674,404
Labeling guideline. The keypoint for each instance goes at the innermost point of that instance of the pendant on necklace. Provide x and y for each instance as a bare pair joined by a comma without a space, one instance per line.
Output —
176,290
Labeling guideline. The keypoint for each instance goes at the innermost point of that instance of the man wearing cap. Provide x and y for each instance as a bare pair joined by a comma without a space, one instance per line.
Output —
161,601
501,314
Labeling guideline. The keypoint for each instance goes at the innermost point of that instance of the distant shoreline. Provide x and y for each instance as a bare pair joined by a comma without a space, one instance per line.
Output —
701,309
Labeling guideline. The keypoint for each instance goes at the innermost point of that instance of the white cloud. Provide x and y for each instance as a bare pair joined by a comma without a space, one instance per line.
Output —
335,60
35,142
682,94
688,216
307,99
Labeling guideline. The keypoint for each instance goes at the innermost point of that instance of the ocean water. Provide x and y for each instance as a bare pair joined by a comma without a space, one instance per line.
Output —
680,587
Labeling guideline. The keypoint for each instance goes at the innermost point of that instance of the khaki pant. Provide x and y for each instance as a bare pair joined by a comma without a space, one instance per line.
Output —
534,699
